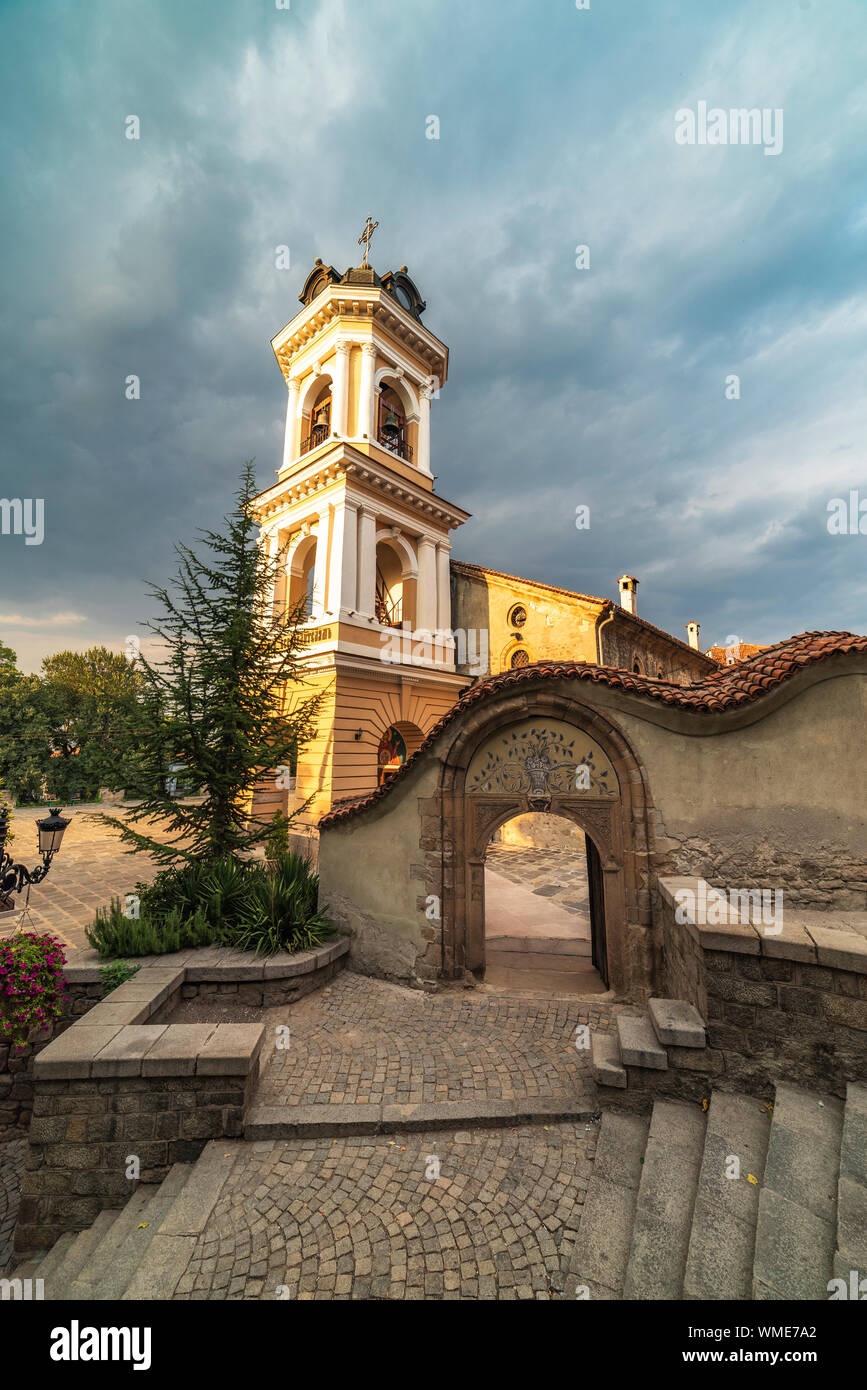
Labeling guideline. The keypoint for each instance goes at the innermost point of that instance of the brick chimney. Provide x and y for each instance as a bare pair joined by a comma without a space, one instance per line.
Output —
692,634
629,593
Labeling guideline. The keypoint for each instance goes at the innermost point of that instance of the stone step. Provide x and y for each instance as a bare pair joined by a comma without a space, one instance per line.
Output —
540,945
602,1249
129,1251
83,1285
851,1252
537,960
171,1247
722,1239
639,1046
79,1254
796,1235
53,1258
608,1070
338,1121
676,1023
666,1196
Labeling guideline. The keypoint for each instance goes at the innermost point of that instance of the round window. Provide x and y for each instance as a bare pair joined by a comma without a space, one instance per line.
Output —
518,615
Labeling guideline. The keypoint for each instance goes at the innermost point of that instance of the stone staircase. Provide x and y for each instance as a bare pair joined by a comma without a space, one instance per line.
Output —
663,1220
663,1036
141,1250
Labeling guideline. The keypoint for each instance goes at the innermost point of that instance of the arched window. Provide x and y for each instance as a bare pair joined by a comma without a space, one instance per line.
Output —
636,668
519,658
320,421
391,424
391,754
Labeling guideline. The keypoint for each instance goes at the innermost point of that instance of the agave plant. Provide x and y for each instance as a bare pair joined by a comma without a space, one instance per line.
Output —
280,911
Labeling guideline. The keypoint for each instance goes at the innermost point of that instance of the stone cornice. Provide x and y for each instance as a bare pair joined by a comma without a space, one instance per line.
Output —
342,303
342,462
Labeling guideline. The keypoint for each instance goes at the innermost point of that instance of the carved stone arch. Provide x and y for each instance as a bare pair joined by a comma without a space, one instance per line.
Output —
402,548
403,388
617,825
308,395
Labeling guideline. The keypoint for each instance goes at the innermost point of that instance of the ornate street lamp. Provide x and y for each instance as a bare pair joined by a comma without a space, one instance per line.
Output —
14,876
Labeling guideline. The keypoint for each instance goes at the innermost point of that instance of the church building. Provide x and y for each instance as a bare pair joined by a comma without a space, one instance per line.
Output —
396,629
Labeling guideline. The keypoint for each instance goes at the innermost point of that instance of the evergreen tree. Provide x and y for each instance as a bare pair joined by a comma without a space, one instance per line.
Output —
213,703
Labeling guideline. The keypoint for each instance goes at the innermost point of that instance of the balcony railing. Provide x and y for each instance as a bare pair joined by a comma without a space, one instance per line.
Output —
388,610
395,445
314,438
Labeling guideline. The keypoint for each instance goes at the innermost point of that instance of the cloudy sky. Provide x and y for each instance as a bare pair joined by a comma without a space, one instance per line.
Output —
603,386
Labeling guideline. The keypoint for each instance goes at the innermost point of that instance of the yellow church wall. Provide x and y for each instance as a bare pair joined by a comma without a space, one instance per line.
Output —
374,703
559,627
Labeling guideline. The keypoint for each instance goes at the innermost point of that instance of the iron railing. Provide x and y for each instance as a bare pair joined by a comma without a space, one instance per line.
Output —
314,438
395,445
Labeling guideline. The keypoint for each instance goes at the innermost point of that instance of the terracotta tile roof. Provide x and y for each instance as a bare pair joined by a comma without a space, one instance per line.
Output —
723,689
743,650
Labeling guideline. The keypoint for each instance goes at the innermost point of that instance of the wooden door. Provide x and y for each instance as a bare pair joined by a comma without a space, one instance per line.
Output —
597,909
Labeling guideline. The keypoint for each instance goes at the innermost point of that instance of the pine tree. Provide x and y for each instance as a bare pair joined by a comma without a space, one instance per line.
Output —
214,701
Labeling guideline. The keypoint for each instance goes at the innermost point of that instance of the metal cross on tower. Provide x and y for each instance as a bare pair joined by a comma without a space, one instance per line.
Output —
365,239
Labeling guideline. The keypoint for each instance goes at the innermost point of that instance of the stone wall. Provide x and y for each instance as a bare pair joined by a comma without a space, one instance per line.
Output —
85,1132
121,1085
779,1006
538,830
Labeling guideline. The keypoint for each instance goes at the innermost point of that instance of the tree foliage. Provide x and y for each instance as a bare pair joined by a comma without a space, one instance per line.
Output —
214,703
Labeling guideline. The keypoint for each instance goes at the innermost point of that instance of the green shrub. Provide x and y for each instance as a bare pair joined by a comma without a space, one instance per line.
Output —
280,910
113,934
116,974
253,906
277,839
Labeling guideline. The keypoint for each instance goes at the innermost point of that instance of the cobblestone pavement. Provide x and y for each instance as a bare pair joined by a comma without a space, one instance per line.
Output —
361,1218
12,1154
91,868
368,1042
558,874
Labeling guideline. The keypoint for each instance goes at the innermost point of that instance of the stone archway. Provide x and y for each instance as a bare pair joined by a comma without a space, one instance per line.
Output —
535,751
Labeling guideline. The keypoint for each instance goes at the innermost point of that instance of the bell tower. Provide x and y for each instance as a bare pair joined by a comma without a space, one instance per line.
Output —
362,536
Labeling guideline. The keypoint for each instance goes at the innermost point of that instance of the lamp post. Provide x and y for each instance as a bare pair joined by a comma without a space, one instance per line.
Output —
14,876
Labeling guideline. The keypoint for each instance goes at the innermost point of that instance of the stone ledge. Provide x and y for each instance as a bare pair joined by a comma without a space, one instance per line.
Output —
832,939
335,1121
115,1039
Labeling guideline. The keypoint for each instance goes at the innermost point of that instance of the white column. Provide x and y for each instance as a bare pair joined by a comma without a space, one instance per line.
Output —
290,439
320,568
340,390
424,429
366,563
427,605
444,593
344,549
365,393
270,543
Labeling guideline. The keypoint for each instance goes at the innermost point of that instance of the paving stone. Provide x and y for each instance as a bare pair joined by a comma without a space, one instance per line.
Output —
175,1051
231,1050
123,1055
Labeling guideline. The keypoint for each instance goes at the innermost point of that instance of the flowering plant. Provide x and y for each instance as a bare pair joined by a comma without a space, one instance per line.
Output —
32,987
